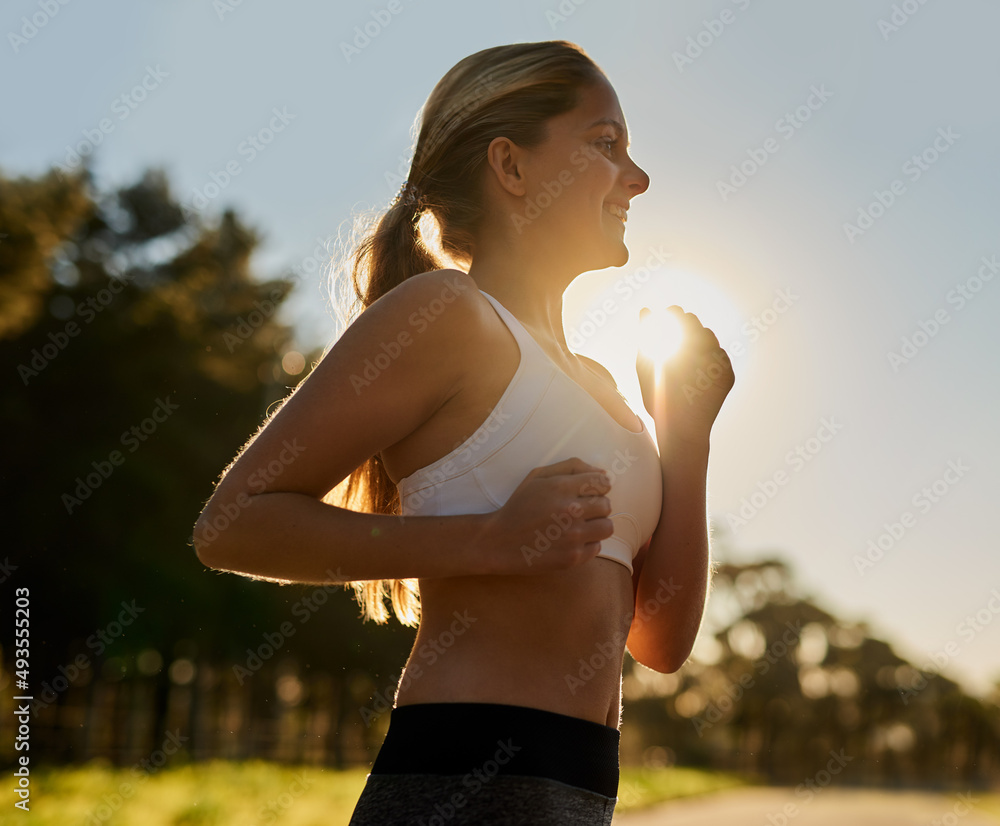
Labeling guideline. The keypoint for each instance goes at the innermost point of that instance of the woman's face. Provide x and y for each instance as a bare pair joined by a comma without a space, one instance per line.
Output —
578,179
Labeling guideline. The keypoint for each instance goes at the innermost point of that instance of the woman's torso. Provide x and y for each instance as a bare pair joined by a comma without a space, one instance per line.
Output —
549,640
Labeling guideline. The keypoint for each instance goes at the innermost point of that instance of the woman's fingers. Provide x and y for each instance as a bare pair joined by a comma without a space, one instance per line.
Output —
692,384
555,519
695,333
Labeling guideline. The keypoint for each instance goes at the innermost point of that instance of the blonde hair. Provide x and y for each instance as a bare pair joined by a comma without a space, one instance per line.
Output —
505,91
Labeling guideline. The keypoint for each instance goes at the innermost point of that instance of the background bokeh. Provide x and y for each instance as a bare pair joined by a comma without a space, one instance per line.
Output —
823,194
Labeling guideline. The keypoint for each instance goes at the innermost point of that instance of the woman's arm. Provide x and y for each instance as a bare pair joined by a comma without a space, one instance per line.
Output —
672,575
391,370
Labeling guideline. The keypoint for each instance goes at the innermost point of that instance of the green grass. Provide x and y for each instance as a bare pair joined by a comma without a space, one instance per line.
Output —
639,788
224,793
217,793
989,804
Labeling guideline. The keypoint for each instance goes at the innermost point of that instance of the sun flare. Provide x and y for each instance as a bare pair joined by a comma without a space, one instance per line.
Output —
660,335
604,323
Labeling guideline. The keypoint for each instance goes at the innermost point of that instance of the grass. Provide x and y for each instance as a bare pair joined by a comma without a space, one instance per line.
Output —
639,788
215,793
989,804
222,793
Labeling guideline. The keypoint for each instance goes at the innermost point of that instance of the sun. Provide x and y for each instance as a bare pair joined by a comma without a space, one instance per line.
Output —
604,323
661,335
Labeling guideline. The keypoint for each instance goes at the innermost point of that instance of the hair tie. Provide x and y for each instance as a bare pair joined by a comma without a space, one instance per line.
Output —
408,194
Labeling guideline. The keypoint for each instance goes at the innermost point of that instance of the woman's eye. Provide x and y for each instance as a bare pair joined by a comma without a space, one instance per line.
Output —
609,142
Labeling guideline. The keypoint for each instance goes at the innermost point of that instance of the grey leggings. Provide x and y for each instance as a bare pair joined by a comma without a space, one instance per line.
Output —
450,764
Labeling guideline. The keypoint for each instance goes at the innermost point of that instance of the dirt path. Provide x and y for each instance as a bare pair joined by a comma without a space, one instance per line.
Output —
778,806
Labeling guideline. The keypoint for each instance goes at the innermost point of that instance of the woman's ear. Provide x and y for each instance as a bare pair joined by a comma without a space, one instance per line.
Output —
505,159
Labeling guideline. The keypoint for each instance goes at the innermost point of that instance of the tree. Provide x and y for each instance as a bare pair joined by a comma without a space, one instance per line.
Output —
790,685
141,352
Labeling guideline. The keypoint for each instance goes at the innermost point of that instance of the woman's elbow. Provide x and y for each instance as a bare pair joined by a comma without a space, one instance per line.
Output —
211,536
660,652
203,537
661,661
215,531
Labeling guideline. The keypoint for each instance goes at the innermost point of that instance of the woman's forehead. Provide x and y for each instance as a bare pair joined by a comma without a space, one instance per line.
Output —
598,106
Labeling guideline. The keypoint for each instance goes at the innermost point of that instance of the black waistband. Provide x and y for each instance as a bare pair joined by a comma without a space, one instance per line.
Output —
492,738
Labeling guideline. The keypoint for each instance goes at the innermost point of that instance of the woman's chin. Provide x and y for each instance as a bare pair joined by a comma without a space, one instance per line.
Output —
613,258
618,255
609,253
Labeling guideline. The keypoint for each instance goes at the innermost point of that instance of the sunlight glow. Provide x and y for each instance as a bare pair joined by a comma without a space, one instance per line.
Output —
603,323
660,335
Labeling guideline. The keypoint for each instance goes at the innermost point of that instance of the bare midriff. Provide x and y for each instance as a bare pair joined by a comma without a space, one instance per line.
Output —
553,641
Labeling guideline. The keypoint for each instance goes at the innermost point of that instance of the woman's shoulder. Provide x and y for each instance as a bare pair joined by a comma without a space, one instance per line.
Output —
445,301
446,285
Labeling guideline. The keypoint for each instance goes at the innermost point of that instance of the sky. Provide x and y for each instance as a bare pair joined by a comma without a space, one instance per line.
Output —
825,195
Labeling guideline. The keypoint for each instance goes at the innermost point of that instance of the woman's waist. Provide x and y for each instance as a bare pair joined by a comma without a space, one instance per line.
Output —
596,702
467,738
518,645
577,675
589,598
555,618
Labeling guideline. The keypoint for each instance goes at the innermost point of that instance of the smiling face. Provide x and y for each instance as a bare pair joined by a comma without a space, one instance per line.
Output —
576,186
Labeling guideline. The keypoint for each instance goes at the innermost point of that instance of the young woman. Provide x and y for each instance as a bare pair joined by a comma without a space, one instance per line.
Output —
490,481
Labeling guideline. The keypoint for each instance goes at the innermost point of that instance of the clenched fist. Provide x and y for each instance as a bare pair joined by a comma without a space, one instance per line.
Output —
685,393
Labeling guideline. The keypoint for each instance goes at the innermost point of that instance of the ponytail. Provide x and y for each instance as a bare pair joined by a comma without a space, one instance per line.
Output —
387,256
506,91
393,251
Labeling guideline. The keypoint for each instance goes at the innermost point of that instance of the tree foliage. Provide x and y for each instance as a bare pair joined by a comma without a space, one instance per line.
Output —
788,687
141,352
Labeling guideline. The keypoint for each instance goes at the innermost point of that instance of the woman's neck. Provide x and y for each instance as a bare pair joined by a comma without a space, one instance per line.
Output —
530,289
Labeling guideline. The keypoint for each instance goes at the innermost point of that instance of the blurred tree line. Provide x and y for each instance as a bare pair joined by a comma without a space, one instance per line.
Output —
141,351
790,692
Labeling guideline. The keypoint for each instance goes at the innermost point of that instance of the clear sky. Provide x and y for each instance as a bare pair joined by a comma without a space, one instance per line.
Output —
852,271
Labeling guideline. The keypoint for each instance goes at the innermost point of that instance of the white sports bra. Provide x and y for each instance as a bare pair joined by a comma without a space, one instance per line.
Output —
543,417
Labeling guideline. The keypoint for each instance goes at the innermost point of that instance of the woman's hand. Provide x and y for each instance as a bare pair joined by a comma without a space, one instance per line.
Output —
555,519
686,396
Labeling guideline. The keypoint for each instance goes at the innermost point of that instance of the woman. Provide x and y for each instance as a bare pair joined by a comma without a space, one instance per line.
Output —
494,483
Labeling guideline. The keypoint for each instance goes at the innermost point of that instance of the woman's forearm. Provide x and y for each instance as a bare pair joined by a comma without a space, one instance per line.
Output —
678,555
295,537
